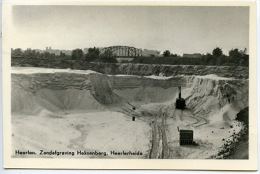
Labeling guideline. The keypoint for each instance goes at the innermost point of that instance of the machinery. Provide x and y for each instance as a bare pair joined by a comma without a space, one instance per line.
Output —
180,102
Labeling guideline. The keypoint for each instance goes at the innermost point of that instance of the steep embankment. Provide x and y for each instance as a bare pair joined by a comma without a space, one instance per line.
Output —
146,89
211,95
135,69
52,91
60,91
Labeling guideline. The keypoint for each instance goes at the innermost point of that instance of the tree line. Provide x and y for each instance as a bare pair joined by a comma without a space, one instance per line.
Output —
93,54
235,57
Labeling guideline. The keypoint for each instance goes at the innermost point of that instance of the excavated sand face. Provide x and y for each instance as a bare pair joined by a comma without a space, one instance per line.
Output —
85,110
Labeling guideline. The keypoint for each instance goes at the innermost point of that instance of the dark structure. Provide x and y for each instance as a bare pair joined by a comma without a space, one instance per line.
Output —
186,137
133,107
180,102
121,51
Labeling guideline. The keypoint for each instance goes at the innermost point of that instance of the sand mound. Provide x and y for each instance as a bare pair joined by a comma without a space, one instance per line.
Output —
27,102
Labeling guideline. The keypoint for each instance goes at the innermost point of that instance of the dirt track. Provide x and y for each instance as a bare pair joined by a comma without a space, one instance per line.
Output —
160,149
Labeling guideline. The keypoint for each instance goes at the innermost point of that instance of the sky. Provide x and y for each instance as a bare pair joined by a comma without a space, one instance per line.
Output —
178,29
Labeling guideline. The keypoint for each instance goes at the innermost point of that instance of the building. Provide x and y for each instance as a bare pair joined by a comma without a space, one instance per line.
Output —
56,51
150,53
194,55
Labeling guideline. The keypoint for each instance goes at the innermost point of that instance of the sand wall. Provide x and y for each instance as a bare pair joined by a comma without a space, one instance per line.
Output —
206,96
217,98
58,92
136,69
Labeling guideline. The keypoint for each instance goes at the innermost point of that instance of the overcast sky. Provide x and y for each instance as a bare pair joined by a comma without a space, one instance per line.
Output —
178,29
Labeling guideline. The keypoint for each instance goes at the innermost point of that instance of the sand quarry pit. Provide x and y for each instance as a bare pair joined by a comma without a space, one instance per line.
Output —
90,114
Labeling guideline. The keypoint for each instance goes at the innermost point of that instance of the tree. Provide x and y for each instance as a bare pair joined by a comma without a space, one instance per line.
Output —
30,53
92,54
166,53
77,54
17,52
27,52
236,55
37,54
108,56
48,55
210,59
174,55
217,52
245,51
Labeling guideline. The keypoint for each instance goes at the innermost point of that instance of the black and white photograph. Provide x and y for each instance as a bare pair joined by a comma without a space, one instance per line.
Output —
144,82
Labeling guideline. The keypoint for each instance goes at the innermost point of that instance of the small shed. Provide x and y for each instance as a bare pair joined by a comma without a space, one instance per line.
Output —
186,137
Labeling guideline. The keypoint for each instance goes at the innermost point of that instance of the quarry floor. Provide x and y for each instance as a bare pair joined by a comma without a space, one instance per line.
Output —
153,134
107,131
103,131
